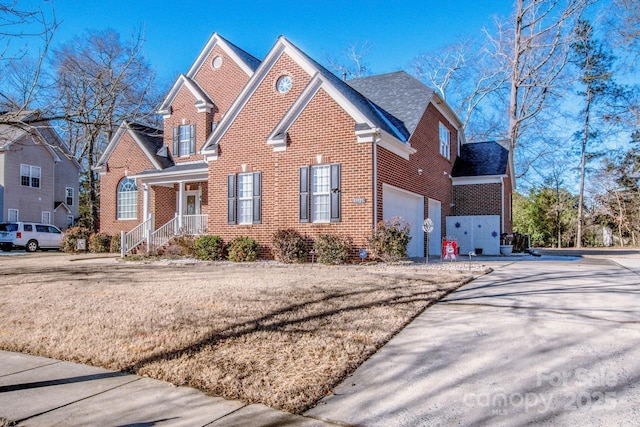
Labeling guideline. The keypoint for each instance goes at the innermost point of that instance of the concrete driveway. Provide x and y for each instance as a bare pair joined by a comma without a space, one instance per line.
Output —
551,341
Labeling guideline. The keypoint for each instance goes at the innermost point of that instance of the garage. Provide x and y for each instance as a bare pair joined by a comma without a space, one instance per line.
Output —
475,232
410,207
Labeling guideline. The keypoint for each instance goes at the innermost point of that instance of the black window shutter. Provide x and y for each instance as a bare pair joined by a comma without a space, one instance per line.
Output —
335,193
304,194
231,199
257,197
192,139
176,141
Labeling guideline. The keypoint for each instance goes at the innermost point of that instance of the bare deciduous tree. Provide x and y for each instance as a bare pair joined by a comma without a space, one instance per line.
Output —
353,65
466,77
534,47
25,39
101,80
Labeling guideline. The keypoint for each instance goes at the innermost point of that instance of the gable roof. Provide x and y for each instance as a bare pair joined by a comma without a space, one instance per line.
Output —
148,139
368,116
401,96
17,124
481,159
247,62
203,101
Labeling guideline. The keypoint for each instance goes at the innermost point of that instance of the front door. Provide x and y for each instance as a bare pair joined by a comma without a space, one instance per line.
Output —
191,203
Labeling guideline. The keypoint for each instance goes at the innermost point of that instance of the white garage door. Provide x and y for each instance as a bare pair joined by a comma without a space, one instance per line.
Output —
410,207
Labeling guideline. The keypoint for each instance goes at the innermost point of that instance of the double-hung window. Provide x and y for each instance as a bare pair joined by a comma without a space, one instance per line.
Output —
30,176
69,196
12,215
184,140
320,193
46,217
244,201
445,143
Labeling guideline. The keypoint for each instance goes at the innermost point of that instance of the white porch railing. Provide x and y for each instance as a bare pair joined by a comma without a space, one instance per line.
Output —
140,233
185,225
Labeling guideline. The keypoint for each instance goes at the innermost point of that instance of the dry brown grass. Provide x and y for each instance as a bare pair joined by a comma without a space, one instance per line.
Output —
279,335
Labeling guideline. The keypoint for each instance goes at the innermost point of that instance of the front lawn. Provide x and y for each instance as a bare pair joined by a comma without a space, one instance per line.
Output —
274,334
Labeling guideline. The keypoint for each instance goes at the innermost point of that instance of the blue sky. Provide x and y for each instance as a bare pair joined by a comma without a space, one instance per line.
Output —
176,31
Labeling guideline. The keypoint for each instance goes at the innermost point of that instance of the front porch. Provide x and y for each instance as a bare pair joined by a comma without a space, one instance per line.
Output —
173,203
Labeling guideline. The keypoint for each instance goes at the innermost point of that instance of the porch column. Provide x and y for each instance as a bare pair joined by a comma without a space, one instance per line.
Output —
145,208
145,202
180,202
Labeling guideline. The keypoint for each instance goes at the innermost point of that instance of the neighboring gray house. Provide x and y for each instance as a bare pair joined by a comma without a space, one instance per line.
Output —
39,178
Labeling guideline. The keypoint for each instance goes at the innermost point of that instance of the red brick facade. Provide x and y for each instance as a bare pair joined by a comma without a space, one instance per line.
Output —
322,133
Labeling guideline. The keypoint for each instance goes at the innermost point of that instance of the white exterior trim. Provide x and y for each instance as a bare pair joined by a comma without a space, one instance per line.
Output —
214,40
470,180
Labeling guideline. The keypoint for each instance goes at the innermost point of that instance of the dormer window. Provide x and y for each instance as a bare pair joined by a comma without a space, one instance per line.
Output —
184,140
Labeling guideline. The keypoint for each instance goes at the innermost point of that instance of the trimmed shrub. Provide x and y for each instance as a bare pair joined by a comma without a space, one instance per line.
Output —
332,249
115,244
243,249
179,246
289,246
71,236
100,243
209,248
390,240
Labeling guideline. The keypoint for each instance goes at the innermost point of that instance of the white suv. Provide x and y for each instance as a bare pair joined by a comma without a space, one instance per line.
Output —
29,235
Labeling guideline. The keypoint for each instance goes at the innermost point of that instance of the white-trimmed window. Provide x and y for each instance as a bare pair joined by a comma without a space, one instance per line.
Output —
127,199
244,198
69,220
184,140
46,217
320,193
12,215
445,141
30,176
69,196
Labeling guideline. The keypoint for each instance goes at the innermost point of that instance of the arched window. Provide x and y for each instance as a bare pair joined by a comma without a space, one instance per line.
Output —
127,199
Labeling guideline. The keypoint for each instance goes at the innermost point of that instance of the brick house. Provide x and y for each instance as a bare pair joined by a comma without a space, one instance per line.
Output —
39,177
252,147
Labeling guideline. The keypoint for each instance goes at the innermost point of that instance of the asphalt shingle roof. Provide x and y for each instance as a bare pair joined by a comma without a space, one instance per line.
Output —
481,158
151,138
402,98
376,114
251,61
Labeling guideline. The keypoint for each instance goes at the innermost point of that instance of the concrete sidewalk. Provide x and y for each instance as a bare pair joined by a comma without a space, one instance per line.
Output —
36,391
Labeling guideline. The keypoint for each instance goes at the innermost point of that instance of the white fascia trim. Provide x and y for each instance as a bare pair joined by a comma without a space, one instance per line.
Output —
202,103
275,139
214,40
446,111
472,180
401,190
173,177
394,145
65,206
244,96
102,162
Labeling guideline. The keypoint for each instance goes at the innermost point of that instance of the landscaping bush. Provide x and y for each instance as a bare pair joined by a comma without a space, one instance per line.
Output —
332,249
179,246
209,248
115,244
71,237
100,243
243,249
289,246
390,240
